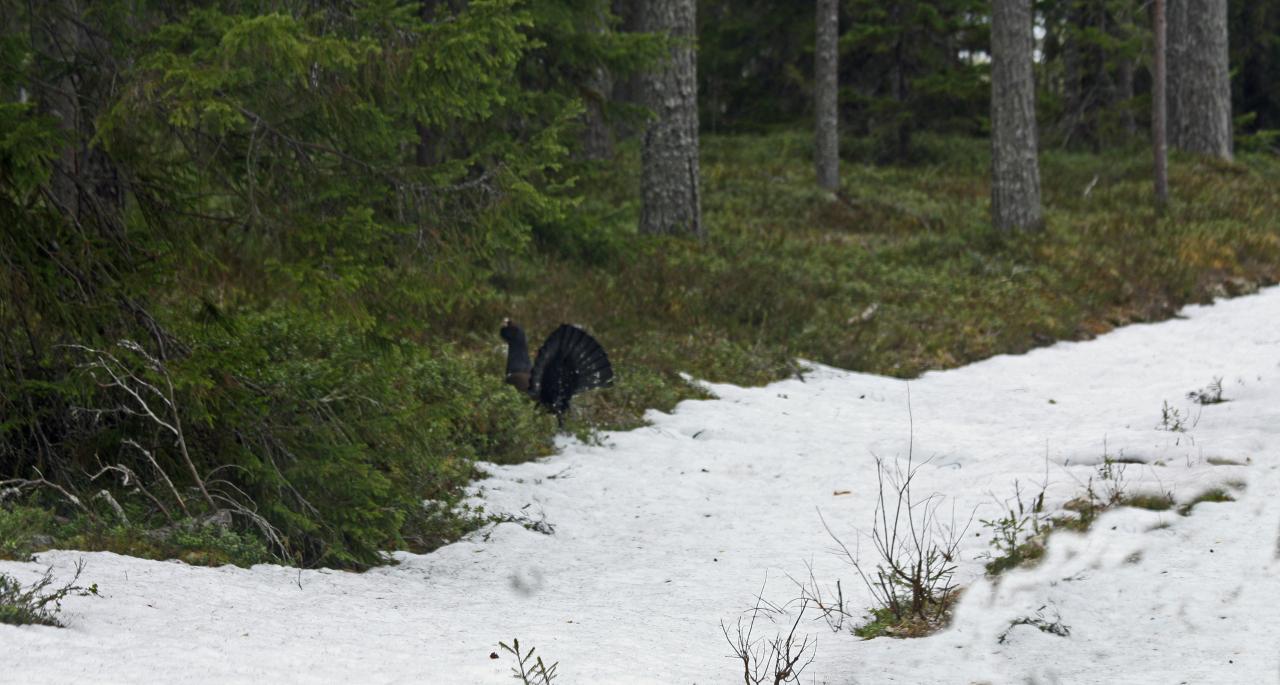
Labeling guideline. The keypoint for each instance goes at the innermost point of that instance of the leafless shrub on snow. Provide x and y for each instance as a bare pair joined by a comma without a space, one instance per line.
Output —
777,659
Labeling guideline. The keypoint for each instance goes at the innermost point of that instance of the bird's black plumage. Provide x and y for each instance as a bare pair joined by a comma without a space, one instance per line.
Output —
518,365
568,363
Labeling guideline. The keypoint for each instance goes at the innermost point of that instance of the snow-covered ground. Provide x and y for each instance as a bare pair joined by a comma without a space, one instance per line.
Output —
662,533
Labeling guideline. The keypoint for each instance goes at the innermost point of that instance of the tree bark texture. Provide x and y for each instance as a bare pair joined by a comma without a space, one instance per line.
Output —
597,134
1159,99
596,138
1199,85
1015,171
826,89
1124,96
670,200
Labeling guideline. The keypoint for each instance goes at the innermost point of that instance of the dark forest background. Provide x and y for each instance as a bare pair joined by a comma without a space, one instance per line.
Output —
254,253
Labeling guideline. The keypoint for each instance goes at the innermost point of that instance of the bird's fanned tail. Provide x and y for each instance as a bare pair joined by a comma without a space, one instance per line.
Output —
569,362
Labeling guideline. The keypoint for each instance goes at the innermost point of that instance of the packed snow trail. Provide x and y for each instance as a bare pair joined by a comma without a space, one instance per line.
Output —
661,533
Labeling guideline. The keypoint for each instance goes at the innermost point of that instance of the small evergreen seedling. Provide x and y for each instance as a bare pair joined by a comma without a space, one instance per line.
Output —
1172,419
1018,536
529,670
1209,394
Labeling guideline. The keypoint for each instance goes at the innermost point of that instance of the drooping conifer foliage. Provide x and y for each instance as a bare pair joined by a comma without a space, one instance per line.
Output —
234,234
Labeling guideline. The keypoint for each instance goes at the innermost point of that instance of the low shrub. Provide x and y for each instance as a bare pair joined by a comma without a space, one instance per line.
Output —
39,603
915,555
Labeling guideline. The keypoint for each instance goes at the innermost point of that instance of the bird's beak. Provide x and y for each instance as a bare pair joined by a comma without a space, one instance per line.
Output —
506,321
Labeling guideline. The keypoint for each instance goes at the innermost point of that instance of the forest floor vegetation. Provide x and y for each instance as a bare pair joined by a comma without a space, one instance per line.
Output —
897,274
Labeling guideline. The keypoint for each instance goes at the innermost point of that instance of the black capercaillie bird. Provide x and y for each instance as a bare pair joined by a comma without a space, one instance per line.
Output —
568,363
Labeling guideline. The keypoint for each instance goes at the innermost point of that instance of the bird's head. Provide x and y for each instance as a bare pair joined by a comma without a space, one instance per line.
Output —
511,332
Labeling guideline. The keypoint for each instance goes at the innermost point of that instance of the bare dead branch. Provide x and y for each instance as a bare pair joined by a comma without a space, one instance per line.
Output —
141,394
778,659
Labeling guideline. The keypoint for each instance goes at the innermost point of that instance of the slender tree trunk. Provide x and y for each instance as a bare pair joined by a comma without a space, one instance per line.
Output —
1124,96
1015,177
826,88
1159,140
597,135
1199,78
1125,28
670,202
904,123
1073,89
1175,19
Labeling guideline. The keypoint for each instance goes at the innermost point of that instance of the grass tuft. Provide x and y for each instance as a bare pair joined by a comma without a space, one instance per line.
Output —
1215,494
1154,501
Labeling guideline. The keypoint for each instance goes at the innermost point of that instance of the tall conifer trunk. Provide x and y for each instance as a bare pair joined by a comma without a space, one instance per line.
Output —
597,135
1159,107
1015,177
826,88
670,202
1199,78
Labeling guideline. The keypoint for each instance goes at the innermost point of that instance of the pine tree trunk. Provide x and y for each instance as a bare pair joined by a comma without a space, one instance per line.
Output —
1124,96
1199,78
597,135
904,123
1015,177
1159,107
1124,29
1073,90
670,202
826,89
